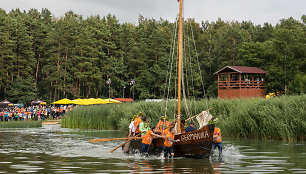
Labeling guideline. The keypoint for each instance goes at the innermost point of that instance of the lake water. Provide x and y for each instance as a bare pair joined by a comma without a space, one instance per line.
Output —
52,149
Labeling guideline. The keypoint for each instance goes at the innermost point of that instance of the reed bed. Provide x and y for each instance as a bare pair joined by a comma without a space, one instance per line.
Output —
275,118
21,124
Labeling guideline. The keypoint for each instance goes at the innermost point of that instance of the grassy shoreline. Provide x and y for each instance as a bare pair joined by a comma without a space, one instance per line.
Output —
20,124
276,118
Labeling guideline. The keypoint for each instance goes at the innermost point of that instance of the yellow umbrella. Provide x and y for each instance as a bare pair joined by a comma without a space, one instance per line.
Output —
79,102
100,101
91,101
64,101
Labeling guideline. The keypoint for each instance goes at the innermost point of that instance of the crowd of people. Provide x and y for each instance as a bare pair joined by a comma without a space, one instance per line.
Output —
34,113
139,126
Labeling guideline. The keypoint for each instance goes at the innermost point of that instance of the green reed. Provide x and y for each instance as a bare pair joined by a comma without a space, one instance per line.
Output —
275,118
20,124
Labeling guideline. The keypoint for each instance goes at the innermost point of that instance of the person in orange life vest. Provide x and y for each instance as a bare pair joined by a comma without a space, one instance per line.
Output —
161,125
168,144
166,131
2,115
147,140
217,141
137,121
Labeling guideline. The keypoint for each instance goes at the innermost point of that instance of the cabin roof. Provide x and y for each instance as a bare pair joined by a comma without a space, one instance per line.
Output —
241,70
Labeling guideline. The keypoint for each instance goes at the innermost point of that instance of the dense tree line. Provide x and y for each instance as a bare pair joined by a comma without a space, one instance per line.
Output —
49,58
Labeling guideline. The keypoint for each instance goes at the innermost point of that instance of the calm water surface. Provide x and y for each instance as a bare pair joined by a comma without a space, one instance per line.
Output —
52,149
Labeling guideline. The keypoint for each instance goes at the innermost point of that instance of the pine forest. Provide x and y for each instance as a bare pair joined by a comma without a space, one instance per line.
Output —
51,58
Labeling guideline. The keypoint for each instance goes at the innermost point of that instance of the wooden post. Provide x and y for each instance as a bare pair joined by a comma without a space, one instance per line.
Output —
180,45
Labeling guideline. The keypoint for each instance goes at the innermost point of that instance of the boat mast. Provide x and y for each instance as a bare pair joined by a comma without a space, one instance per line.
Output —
180,43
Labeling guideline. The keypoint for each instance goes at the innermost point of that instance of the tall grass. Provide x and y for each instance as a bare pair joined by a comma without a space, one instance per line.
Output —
276,118
20,124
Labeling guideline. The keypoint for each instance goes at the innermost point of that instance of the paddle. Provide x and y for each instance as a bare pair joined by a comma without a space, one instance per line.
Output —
111,139
120,145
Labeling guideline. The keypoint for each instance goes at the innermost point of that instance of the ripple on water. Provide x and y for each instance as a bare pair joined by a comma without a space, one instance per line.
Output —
26,168
35,162
5,162
21,157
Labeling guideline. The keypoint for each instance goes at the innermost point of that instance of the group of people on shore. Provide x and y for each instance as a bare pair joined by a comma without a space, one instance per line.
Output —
139,126
33,113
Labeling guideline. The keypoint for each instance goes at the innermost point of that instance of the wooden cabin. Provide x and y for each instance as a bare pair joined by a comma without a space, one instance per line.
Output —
241,82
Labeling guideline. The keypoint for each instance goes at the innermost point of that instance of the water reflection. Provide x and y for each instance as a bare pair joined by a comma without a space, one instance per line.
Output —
168,166
52,149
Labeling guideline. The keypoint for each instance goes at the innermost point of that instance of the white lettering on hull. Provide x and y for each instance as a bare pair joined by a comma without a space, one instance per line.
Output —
194,136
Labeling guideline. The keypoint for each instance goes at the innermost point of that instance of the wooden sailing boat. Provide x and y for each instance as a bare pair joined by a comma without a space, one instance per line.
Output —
192,144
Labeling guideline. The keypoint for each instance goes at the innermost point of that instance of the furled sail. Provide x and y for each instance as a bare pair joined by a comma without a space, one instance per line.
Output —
203,118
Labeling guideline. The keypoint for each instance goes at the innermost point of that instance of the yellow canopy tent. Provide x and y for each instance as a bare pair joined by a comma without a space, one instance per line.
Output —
100,101
79,102
64,101
91,101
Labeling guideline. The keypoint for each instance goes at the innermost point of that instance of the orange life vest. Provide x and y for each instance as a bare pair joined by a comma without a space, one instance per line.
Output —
217,132
160,125
136,124
148,138
166,131
167,142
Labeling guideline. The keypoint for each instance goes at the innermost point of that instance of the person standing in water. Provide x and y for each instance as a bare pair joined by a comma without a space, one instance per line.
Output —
217,141
147,140
168,144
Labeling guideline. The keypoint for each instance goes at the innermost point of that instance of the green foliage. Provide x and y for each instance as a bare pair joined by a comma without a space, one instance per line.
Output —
73,57
275,118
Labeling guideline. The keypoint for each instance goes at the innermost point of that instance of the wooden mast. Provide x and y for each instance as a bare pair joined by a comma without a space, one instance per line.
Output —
180,43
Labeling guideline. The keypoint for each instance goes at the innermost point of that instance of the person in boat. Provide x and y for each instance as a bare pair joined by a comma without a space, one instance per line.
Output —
144,126
217,141
137,121
131,127
183,126
161,125
147,140
167,129
168,144
190,128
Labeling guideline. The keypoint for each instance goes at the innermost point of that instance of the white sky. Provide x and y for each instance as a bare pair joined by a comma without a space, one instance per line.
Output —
256,11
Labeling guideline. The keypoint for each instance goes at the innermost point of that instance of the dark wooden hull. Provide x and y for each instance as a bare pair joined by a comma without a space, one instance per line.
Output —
196,144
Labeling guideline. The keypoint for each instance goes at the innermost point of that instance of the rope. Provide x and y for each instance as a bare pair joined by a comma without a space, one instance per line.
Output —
199,65
191,70
170,63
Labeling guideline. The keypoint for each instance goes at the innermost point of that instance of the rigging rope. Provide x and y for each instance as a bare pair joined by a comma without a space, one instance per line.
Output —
170,63
191,69
199,66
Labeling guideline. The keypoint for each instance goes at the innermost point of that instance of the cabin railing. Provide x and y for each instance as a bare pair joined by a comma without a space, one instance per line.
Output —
241,84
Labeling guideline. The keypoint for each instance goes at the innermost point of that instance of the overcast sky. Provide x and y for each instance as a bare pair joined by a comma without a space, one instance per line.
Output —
257,11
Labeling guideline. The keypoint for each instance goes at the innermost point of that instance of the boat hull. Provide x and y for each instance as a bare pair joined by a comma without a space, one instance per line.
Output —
195,144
